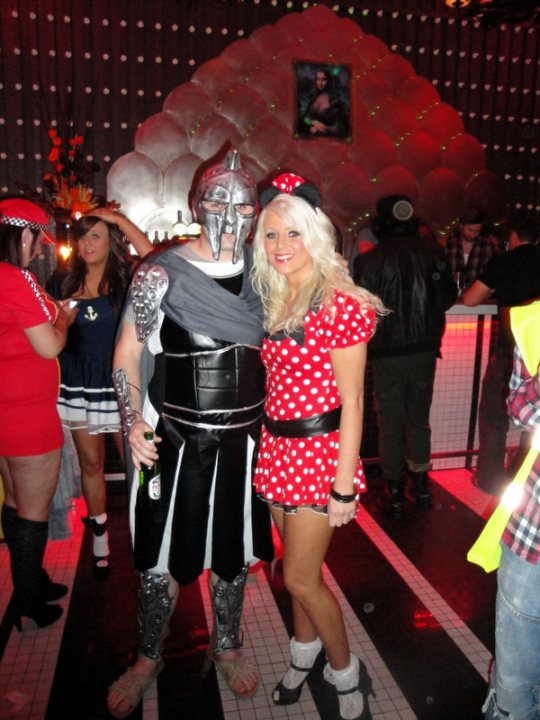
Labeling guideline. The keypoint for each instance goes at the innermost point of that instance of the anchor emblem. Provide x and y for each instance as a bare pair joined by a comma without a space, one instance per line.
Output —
91,314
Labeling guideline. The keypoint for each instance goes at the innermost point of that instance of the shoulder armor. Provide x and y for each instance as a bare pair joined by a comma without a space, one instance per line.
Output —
148,287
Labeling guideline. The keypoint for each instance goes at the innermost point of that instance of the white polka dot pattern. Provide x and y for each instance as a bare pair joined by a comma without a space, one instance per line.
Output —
301,383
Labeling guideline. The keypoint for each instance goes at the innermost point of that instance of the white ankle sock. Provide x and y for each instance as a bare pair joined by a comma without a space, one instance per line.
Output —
351,705
303,655
100,542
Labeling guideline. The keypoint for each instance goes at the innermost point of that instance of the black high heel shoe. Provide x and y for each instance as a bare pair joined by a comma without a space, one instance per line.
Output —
365,688
282,695
40,612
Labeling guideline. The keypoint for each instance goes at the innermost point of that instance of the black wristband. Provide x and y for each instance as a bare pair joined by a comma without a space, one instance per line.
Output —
342,498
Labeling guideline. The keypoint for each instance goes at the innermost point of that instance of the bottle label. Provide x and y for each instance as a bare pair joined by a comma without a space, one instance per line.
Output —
154,487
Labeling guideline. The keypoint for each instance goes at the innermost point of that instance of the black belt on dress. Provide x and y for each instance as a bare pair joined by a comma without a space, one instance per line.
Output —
304,427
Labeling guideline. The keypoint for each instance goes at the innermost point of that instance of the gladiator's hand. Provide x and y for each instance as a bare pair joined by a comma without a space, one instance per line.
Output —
340,513
143,452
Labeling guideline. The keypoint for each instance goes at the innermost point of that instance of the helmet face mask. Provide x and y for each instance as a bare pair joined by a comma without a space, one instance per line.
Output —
226,204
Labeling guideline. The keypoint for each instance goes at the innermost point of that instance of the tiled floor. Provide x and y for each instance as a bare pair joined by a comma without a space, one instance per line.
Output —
417,613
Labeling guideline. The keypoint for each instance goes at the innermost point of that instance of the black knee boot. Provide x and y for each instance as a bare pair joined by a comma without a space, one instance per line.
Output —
420,489
49,589
395,488
27,547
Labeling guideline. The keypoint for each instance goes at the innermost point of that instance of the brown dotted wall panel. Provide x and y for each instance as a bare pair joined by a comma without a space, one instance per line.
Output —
107,66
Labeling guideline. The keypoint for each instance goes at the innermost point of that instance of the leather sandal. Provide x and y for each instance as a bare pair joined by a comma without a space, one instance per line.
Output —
233,671
131,687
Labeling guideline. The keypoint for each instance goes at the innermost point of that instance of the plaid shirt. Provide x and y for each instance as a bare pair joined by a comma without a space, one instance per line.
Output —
522,534
483,249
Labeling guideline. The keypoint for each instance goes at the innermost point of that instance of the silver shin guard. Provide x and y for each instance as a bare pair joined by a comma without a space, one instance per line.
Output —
227,601
153,613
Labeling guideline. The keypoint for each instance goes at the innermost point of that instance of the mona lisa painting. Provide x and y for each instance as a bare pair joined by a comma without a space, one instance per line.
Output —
322,100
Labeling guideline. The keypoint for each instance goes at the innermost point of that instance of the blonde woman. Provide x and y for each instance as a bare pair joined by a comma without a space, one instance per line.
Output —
308,468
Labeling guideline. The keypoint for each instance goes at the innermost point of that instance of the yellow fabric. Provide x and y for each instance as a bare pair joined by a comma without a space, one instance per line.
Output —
525,321
486,551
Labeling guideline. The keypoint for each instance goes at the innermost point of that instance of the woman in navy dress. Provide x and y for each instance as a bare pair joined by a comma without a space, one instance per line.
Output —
87,405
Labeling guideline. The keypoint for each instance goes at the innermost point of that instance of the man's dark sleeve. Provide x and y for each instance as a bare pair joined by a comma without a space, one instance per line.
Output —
491,272
449,290
365,274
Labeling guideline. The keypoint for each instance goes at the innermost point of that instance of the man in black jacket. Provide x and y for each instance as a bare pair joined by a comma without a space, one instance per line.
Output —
411,276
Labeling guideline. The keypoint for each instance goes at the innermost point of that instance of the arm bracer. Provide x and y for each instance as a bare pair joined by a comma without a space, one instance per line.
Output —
128,414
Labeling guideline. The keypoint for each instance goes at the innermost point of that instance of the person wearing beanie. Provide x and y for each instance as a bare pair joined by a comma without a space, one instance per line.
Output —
410,274
395,212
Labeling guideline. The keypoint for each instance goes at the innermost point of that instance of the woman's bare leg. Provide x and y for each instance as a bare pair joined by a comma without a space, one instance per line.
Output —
306,538
119,444
91,454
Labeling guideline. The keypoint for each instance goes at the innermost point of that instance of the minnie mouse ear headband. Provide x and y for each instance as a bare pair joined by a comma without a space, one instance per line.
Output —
24,213
291,184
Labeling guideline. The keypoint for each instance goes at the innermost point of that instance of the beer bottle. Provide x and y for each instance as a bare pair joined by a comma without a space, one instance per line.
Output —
150,480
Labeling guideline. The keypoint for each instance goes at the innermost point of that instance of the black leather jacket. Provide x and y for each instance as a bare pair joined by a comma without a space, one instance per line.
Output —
412,278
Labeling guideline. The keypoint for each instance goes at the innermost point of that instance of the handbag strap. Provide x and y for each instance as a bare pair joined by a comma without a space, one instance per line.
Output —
37,293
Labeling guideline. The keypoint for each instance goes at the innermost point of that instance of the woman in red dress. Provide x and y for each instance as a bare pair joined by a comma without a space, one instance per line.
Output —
308,466
32,333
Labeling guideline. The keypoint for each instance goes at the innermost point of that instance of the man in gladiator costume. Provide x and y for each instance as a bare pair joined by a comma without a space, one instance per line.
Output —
187,368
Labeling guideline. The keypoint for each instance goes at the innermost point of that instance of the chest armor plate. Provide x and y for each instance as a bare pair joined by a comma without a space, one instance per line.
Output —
206,381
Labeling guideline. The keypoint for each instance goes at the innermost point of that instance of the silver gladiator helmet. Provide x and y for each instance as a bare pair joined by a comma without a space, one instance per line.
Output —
225,201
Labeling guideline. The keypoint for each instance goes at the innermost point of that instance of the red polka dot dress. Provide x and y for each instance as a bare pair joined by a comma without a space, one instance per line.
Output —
300,384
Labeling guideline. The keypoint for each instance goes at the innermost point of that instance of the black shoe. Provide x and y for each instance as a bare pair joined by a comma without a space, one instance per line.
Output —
421,494
282,695
40,612
394,491
51,590
365,687
486,487
396,507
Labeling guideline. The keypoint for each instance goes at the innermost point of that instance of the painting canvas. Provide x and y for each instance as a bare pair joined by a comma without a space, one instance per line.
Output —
323,104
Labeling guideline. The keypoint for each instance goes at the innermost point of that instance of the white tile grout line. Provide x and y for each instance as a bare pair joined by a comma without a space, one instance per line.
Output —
259,595
272,655
458,484
266,642
454,626
30,658
360,642
384,685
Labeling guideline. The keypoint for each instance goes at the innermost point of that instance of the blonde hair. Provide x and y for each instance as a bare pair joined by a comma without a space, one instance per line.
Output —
328,274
